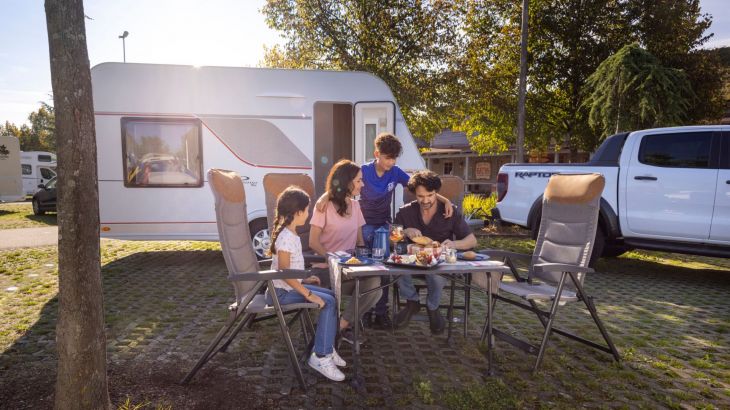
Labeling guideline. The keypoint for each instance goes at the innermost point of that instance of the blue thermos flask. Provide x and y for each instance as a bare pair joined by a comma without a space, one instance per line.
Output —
380,240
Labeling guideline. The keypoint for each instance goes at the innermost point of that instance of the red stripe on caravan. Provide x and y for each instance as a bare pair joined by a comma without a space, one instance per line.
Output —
137,114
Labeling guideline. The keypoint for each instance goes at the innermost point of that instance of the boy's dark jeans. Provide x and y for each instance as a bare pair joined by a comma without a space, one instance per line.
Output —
368,234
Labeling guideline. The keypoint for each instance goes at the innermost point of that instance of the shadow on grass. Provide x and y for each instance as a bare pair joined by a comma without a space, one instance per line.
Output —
162,309
47,219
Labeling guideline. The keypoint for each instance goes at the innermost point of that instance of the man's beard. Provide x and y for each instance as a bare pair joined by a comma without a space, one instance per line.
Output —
426,205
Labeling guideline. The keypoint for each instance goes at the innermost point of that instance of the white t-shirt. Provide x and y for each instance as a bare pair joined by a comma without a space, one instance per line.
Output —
288,241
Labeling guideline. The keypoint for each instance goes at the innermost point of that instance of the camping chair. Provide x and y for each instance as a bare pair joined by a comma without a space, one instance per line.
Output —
559,264
244,275
274,185
452,187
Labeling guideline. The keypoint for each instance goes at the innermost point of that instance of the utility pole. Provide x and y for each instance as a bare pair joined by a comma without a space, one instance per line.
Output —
124,46
523,86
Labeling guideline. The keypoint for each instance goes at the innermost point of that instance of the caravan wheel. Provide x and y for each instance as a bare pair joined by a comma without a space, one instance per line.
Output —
260,236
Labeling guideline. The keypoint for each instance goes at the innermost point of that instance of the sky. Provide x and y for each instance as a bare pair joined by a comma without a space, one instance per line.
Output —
189,32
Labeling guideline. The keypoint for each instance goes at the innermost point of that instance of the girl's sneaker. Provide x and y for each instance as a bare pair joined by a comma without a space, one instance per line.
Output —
337,360
326,367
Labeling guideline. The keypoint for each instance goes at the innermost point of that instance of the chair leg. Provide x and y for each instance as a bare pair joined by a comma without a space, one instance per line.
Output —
594,314
246,322
549,325
287,338
233,315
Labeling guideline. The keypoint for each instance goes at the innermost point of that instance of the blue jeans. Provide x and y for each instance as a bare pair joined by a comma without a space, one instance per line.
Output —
368,234
434,283
327,324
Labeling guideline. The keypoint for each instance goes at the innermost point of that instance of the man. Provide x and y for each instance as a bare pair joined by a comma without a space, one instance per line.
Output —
425,217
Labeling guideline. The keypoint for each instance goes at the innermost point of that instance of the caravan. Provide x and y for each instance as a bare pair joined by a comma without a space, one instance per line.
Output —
38,167
11,183
160,127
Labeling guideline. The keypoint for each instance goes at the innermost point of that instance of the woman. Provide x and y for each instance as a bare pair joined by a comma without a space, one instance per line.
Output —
339,228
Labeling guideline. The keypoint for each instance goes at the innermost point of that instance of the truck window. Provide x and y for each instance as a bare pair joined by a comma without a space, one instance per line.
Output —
26,169
47,173
679,150
162,152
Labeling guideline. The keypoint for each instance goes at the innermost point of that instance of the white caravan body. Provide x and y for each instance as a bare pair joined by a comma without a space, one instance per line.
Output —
11,182
159,128
38,167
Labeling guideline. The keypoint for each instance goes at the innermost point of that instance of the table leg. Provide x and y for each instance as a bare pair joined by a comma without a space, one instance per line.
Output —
358,382
490,371
450,315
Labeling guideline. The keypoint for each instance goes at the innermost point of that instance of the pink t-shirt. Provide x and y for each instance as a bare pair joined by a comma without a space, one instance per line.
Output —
339,233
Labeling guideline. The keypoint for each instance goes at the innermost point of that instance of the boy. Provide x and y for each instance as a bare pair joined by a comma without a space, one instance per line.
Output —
380,177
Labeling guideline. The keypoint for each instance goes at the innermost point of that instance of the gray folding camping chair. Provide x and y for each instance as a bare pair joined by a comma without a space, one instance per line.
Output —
452,187
246,278
274,185
559,264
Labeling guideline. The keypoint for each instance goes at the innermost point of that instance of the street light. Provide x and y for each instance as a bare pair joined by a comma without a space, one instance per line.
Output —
124,48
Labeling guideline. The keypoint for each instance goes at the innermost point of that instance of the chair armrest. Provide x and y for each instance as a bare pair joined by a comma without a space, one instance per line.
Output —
265,262
269,275
560,267
504,254
314,258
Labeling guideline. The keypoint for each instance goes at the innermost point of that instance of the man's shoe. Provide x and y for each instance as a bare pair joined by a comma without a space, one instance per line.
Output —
348,335
382,322
404,316
437,321
326,367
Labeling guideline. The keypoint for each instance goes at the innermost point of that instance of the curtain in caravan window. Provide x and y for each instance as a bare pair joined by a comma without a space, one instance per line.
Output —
162,153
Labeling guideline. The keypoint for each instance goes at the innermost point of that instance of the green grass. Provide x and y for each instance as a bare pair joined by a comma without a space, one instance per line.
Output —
20,215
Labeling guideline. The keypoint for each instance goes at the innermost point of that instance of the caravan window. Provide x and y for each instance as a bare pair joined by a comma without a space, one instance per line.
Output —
26,169
47,173
44,158
162,152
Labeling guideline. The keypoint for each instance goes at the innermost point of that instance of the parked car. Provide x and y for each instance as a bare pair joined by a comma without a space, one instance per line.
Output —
666,189
45,199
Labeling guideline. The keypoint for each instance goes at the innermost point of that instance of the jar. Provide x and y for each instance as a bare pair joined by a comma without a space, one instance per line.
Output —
451,255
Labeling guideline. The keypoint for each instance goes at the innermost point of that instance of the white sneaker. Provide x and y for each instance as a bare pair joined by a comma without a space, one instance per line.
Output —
326,367
337,360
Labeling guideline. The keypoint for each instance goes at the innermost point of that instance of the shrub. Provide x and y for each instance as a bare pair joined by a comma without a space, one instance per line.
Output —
478,206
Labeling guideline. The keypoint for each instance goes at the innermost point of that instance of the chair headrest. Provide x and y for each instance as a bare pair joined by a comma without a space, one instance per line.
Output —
574,188
277,183
228,184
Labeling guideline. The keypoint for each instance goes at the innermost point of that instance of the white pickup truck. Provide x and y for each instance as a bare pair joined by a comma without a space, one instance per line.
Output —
666,189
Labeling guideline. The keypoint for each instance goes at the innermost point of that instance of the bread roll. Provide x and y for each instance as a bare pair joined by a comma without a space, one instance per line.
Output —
469,255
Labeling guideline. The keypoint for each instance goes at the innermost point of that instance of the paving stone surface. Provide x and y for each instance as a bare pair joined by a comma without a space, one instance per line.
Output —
673,331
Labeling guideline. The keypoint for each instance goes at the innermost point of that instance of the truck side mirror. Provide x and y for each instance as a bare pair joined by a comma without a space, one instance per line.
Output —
41,186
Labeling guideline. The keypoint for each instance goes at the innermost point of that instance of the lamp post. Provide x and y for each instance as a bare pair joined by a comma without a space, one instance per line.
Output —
124,47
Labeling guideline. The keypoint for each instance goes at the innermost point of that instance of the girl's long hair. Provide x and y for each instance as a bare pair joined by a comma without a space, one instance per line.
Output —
339,182
289,202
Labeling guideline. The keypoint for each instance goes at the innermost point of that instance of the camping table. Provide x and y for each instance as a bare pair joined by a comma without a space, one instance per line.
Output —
446,270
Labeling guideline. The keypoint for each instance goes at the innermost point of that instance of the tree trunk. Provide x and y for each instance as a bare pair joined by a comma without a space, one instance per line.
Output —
81,381
520,145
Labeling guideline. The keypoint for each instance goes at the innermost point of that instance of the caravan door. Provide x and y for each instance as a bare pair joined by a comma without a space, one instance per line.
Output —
371,118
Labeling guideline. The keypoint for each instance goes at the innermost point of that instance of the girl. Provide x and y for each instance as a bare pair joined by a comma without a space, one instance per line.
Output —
292,210
339,228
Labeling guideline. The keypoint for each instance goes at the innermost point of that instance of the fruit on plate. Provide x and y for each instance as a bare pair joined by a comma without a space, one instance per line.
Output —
424,258
469,255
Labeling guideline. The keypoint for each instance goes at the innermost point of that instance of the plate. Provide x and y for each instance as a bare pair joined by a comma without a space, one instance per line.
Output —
363,261
411,265
479,257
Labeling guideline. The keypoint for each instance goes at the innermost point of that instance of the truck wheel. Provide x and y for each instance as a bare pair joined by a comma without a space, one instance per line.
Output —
260,236
37,208
598,246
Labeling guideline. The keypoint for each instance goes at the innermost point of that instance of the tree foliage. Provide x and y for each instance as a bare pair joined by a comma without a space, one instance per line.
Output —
632,90
456,63
40,136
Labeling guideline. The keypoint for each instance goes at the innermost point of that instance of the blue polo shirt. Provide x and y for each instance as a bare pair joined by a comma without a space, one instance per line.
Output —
377,194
